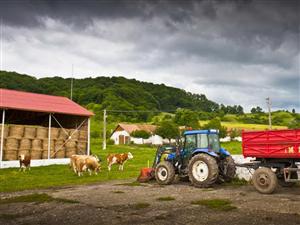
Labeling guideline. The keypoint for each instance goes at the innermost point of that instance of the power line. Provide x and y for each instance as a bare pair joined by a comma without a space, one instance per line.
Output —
134,111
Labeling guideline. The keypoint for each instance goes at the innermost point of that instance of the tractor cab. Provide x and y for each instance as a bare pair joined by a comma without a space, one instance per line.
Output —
207,140
203,141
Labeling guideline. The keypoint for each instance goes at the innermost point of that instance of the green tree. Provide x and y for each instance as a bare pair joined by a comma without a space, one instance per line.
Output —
216,124
168,130
186,117
140,134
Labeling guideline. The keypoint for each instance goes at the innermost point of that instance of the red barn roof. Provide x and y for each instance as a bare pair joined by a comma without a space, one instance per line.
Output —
19,100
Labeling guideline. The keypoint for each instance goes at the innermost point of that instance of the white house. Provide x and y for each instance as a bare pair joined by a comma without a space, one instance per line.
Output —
122,134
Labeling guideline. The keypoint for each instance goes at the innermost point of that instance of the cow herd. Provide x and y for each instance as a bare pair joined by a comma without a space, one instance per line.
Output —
85,163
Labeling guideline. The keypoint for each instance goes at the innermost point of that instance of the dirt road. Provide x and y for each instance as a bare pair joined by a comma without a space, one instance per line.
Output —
112,203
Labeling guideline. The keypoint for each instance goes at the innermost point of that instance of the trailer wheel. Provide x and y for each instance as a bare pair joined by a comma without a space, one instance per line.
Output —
264,180
164,173
203,170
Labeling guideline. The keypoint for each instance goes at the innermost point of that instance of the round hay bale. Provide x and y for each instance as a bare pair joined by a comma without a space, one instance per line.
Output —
23,152
12,143
45,144
60,154
70,152
75,134
83,135
10,154
29,132
6,129
36,154
25,143
63,134
41,132
71,144
81,147
16,131
36,144
54,133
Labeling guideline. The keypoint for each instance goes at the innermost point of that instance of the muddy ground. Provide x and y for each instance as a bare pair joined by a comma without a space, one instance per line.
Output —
111,203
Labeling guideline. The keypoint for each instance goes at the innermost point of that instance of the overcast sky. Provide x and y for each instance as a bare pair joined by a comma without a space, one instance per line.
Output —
234,52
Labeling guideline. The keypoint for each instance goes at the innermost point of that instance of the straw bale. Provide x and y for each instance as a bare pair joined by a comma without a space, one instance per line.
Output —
36,154
81,147
10,154
71,144
11,143
29,132
41,132
45,144
36,144
24,152
75,134
83,135
16,131
70,152
25,143
6,129
63,134
54,133
60,154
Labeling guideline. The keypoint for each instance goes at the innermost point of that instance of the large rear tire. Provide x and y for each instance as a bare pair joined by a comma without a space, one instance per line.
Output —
228,170
203,170
164,173
264,180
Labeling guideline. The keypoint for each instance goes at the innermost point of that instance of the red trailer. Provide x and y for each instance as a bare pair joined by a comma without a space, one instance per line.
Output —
276,153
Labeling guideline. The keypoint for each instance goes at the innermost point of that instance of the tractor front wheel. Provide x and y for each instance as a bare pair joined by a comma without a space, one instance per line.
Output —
164,173
264,180
203,170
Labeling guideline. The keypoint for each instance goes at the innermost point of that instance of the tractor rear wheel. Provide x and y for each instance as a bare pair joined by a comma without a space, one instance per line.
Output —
265,180
203,170
165,173
228,170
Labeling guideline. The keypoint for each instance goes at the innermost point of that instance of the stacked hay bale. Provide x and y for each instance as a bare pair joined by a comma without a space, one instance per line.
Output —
33,140
71,145
60,143
15,134
82,142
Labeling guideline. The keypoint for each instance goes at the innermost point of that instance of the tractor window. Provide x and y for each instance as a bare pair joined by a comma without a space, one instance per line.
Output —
202,141
214,143
190,142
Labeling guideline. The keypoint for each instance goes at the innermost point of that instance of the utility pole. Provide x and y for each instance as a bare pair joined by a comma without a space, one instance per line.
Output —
72,82
269,109
104,129
1,47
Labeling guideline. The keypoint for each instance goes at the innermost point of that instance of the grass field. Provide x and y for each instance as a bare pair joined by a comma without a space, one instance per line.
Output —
245,126
60,175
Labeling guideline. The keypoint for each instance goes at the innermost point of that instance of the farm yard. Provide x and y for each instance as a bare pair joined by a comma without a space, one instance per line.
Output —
126,202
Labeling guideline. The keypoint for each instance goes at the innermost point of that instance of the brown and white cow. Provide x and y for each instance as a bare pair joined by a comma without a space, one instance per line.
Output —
24,162
82,163
118,159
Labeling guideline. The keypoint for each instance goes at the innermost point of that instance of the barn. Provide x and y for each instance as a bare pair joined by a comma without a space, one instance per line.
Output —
122,134
49,128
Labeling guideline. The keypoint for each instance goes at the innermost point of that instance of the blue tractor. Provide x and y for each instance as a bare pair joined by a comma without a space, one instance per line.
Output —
201,160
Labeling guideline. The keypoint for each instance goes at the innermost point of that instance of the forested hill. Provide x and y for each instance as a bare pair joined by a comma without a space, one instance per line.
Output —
113,93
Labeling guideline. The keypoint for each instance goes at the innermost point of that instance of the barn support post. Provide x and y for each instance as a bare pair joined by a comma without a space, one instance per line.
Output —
2,137
49,135
89,138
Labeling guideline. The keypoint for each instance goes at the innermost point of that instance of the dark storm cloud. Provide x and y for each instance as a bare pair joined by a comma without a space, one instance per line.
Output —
244,47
